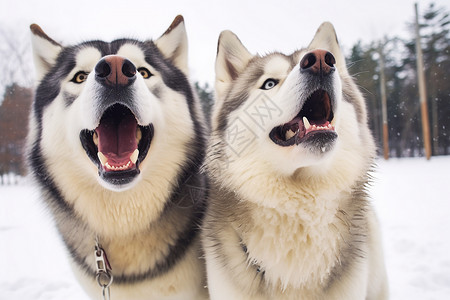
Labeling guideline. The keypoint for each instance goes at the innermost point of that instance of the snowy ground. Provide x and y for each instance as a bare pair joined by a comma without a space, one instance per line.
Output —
410,195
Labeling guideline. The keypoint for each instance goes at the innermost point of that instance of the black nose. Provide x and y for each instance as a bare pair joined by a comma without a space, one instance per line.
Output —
318,62
115,71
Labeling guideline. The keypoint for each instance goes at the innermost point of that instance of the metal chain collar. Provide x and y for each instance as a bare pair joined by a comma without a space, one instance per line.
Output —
103,270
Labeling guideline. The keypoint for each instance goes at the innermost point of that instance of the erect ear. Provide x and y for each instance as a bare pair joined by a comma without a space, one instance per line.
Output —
326,39
232,59
173,44
45,51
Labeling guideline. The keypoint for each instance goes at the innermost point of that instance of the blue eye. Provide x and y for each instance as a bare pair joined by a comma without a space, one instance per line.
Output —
269,84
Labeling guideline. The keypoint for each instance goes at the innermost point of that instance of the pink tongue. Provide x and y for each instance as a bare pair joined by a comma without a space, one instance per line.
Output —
117,139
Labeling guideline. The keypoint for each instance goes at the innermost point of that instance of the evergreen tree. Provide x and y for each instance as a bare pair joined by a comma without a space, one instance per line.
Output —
362,66
205,94
435,29
405,133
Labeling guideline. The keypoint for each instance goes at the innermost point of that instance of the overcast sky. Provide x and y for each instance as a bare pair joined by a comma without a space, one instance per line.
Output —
262,25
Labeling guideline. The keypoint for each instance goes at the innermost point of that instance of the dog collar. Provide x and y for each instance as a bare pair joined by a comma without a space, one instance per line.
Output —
103,270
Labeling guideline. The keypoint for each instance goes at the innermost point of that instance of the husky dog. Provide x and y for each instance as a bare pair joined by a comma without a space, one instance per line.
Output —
289,215
116,142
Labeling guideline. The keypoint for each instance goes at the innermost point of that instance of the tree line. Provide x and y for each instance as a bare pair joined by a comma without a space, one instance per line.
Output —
403,106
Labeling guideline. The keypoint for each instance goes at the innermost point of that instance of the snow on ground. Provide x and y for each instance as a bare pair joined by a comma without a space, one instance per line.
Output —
413,204
411,197
33,263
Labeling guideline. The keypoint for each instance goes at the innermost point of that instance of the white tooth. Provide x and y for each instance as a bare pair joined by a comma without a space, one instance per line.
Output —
289,134
323,149
134,156
138,135
306,123
95,138
102,158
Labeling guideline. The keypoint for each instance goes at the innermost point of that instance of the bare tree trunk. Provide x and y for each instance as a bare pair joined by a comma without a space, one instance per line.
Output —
422,91
383,104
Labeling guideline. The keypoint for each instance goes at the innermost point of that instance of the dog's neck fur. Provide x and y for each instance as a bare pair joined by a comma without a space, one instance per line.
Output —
298,233
295,246
292,251
141,254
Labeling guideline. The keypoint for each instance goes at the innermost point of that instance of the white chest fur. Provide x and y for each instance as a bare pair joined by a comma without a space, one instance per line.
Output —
296,249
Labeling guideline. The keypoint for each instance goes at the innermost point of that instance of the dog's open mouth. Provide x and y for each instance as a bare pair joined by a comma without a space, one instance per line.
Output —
118,145
313,121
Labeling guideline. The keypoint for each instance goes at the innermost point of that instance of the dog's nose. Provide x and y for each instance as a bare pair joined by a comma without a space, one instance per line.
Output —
318,62
115,71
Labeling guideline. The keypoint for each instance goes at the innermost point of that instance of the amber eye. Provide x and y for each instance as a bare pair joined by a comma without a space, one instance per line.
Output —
145,73
80,77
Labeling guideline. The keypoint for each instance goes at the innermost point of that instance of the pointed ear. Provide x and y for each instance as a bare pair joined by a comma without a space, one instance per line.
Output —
45,51
326,39
232,59
173,44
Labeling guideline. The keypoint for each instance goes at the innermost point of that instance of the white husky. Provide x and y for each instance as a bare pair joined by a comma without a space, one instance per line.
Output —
115,144
289,157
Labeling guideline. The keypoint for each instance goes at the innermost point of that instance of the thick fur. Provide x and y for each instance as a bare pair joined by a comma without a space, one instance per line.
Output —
289,222
147,223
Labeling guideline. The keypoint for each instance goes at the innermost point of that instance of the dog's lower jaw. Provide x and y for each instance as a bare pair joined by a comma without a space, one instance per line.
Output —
119,187
300,160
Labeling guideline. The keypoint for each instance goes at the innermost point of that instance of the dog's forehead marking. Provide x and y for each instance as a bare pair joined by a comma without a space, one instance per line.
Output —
277,66
86,58
132,52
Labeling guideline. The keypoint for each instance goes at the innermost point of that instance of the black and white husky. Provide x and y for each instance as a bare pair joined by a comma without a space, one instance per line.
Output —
289,215
116,141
